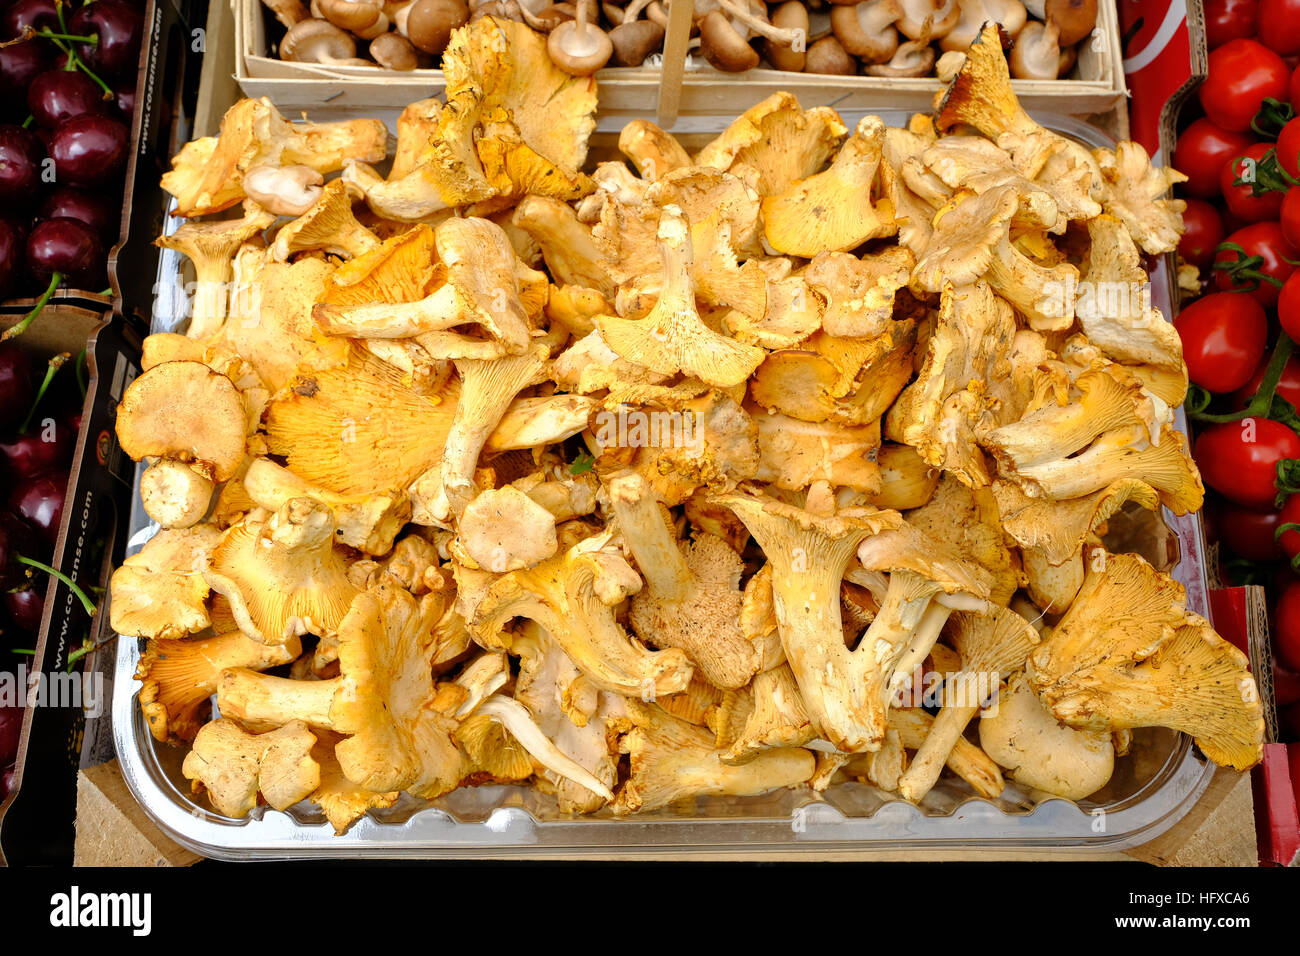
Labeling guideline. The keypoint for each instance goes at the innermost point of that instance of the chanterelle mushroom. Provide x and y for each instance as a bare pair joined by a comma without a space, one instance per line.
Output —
572,597
833,210
233,767
671,760
283,577
673,338
1042,753
189,420
395,741
1128,654
843,689
691,598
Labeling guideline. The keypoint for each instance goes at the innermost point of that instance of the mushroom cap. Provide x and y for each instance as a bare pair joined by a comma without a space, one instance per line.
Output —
635,41
315,41
1041,753
723,47
828,56
353,16
187,412
394,52
428,24
1074,18
578,51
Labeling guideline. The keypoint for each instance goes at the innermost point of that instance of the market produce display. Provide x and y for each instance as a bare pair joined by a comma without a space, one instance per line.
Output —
648,482
886,38
1241,313
67,94
40,415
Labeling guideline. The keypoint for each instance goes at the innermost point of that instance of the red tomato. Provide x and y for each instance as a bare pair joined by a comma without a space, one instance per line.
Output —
1202,231
1293,88
1243,73
1288,148
1286,627
1289,514
1290,216
1264,267
1223,335
1281,19
1240,198
1248,533
1288,307
1288,386
1229,20
1200,153
1239,459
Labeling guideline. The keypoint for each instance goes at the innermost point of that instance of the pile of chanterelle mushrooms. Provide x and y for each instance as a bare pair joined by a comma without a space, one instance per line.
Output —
640,486
898,38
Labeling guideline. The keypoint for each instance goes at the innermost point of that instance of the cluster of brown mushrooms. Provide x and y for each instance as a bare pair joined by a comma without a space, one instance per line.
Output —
662,481
888,38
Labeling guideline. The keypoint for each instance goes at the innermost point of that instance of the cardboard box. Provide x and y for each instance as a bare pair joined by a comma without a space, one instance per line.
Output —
36,818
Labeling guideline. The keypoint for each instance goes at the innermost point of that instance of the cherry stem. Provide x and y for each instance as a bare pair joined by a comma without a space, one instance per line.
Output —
55,280
86,648
49,35
86,602
80,369
55,364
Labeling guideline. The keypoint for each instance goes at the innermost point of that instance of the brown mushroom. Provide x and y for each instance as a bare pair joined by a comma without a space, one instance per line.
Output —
579,47
363,18
827,55
544,16
793,17
319,41
913,58
1074,18
867,29
393,51
1036,54
723,47
634,40
935,17
428,23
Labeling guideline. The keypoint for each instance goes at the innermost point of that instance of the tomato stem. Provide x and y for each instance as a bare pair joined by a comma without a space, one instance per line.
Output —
1261,403
1272,116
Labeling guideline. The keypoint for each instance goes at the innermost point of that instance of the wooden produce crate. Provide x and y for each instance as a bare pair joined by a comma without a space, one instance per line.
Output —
684,84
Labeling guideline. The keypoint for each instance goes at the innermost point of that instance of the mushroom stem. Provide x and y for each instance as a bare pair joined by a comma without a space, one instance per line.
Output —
647,536
761,26
515,718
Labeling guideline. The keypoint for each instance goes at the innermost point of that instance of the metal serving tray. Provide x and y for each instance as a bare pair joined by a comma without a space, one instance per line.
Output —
1152,789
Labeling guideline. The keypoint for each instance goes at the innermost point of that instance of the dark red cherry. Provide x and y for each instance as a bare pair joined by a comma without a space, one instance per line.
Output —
70,248
39,502
17,390
94,209
59,95
21,157
37,14
20,64
12,244
89,149
25,605
119,27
